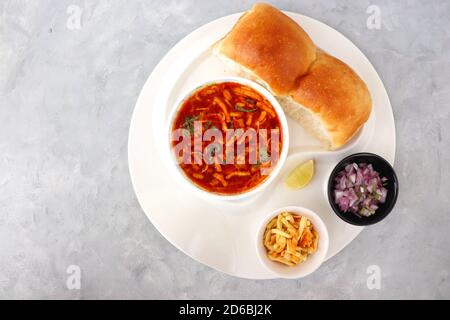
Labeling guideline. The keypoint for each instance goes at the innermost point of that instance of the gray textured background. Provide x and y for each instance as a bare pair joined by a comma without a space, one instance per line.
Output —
66,99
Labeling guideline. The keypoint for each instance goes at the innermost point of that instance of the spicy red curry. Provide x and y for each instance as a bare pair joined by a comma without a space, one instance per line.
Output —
222,107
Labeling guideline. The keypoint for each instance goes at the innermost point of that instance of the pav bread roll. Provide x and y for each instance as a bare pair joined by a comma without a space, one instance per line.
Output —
319,91
330,101
268,46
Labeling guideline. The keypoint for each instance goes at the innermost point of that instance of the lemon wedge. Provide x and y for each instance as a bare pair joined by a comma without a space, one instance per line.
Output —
301,176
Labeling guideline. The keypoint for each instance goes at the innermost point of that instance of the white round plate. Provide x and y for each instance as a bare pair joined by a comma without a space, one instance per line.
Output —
222,234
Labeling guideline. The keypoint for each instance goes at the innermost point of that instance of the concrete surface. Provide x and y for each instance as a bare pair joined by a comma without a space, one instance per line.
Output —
67,92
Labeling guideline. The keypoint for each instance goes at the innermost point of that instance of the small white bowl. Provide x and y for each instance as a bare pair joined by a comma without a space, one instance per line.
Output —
312,263
183,179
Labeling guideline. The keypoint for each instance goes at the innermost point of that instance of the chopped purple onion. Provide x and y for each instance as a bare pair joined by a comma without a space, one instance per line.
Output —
359,189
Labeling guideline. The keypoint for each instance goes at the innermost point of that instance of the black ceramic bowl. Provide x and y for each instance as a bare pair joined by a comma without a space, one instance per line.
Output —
385,170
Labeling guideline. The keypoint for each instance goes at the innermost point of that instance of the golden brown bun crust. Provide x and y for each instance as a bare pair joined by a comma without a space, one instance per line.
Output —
337,95
271,45
273,48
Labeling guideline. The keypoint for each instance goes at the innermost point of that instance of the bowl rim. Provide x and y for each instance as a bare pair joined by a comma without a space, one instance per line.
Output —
182,178
363,222
297,271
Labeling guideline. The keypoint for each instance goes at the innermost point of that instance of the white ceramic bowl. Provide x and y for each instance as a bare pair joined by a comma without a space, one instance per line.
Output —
181,177
303,269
